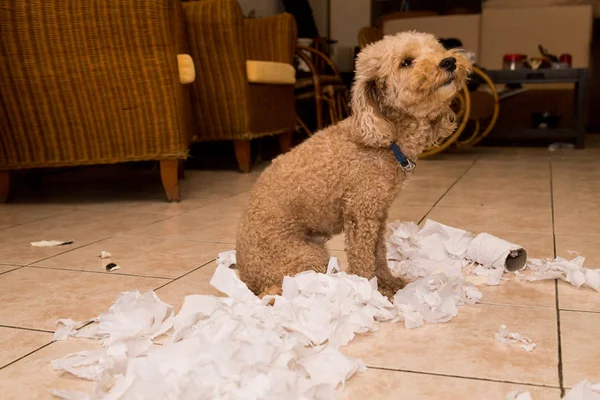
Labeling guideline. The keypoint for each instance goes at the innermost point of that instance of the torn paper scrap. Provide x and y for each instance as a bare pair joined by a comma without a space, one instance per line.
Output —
227,259
51,243
434,298
66,327
519,395
105,254
571,271
493,252
584,390
110,267
504,336
493,276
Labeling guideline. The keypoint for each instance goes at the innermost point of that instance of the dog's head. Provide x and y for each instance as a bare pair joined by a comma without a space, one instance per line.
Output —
406,77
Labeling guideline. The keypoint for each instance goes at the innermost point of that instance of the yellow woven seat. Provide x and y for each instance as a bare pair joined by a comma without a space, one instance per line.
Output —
270,72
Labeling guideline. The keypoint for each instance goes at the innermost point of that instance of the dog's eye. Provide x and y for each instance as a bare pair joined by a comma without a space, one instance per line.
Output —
407,62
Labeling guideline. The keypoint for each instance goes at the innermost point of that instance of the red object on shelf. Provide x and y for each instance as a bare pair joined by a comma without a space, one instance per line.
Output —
566,58
513,61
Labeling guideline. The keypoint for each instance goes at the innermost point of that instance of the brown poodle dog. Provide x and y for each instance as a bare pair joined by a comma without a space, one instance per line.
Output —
345,177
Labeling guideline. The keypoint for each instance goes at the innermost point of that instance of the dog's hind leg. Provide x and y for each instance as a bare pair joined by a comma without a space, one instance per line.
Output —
264,275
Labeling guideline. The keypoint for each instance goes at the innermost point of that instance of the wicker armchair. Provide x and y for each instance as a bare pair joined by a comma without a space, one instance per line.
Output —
245,78
92,82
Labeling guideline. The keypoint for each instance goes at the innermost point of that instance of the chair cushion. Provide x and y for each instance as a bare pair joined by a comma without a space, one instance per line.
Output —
270,72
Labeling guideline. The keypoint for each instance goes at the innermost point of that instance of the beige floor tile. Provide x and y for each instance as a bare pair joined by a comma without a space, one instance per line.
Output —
585,245
419,195
204,228
578,221
155,205
493,170
527,294
336,243
580,350
231,207
163,258
33,376
16,343
83,227
494,220
400,212
582,299
462,196
36,298
392,385
466,347
197,282
16,214
567,199
505,183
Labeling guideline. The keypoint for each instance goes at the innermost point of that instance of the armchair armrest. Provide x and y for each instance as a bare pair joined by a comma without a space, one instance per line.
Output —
271,38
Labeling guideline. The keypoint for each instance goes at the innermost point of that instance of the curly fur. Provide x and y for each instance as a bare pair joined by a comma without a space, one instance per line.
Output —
345,177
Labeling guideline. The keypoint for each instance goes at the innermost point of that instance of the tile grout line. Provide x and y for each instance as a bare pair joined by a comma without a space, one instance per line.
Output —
449,188
99,272
461,377
25,329
26,355
556,298
184,275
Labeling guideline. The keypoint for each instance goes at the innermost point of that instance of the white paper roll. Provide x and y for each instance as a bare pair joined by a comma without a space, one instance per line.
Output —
493,252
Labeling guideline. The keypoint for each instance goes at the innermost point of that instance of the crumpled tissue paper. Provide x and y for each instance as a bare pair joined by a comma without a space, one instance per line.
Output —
435,298
231,347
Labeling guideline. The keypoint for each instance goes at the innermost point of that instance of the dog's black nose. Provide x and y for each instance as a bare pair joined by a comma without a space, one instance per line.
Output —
448,63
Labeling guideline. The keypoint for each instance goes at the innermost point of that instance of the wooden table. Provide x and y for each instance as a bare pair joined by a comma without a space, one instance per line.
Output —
578,76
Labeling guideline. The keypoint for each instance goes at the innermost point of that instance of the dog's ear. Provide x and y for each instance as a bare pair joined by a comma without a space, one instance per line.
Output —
370,127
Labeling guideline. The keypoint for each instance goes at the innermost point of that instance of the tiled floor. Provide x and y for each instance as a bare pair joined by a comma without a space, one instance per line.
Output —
547,202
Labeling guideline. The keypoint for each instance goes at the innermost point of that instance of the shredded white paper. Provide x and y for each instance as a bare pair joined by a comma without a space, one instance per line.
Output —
504,336
235,346
51,243
434,299
519,395
571,271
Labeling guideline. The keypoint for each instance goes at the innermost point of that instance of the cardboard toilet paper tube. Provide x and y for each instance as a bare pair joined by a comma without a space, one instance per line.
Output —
491,251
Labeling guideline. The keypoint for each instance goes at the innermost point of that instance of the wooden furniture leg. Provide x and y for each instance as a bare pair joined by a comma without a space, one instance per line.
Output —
5,179
168,174
243,154
285,142
180,170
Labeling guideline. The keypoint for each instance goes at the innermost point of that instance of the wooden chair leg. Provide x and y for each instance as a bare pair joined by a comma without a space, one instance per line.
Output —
168,174
5,181
285,141
180,170
243,154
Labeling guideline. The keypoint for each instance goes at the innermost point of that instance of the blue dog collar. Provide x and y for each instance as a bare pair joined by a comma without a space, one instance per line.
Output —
405,163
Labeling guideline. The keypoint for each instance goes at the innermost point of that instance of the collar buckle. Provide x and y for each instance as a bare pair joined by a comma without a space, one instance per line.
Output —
408,166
